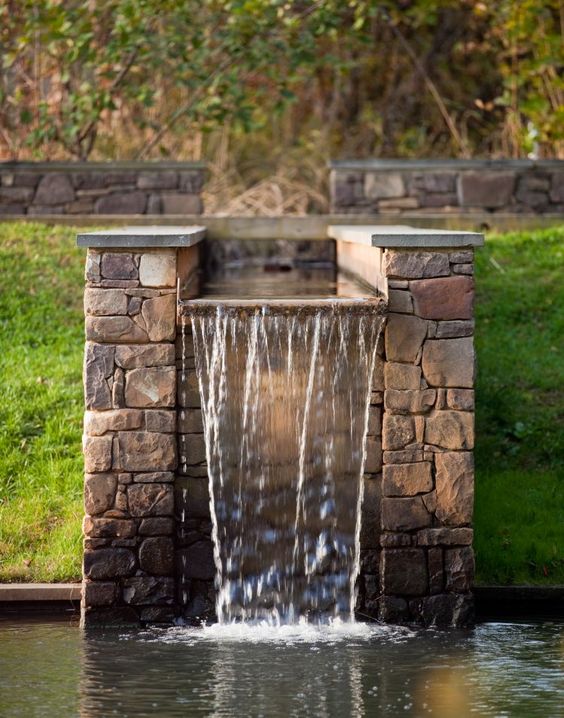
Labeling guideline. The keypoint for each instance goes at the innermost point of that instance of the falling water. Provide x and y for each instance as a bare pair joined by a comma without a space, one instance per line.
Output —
285,400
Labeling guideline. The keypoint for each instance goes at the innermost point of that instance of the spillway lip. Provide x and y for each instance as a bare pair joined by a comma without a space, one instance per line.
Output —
268,306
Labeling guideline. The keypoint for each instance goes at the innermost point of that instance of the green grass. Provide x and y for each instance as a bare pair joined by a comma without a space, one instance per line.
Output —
520,406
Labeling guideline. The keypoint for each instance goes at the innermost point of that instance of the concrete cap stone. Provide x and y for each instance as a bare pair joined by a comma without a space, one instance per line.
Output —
148,237
403,236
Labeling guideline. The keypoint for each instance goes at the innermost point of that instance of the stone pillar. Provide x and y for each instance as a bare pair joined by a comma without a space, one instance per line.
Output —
427,562
130,448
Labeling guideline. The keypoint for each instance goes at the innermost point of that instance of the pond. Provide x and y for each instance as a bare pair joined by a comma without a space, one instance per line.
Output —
498,669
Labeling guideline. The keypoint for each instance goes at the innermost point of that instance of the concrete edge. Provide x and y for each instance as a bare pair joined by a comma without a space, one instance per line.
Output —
110,166
403,236
146,236
10,592
443,164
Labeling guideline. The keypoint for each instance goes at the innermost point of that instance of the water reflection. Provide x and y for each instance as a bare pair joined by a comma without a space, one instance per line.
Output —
496,670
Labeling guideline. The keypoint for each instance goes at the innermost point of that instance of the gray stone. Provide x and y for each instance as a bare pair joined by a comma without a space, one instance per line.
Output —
145,451
557,187
455,487
15,195
404,572
118,387
381,185
393,609
442,199
192,182
449,362
151,387
150,499
199,562
370,525
346,189
404,337
109,563
404,514
400,301
410,264
40,210
118,265
445,537
98,368
192,448
445,610
98,593
156,556
134,356
178,203
440,182
485,189
54,189
167,179
99,493
409,402
157,526
121,203
147,590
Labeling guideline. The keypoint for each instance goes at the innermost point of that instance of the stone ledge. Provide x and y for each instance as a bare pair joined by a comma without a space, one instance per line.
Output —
403,236
40,592
154,237
445,164
111,166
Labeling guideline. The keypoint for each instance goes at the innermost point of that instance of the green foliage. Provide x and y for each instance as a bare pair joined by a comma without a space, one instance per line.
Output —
135,77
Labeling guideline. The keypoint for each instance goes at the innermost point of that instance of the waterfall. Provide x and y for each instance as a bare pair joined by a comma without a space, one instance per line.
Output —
285,400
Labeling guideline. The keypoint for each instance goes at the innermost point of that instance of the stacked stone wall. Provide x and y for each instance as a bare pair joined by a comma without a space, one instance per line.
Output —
39,189
130,449
396,187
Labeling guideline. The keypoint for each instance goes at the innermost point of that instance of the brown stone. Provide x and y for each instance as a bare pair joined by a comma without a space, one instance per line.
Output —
188,390
99,492
404,514
467,269
54,189
397,431
375,421
156,556
147,590
193,497
459,568
108,528
192,448
154,477
133,356
97,423
97,453
450,430
445,537
443,297
401,376
373,462
404,572
150,499
158,269
449,362
108,563
98,593
404,337
403,456
98,368
161,421
382,185
400,301
157,526
118,265
103,302
407,479
395,540
409,402
409,264
460,399
444,610
114,329
145,451
485,189
92,267
151,387
160,317
370,524
118,389
178,203
452,329
435,569
455,487
461,256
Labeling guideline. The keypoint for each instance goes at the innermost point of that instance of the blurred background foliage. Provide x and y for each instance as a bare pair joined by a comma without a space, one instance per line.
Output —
267,90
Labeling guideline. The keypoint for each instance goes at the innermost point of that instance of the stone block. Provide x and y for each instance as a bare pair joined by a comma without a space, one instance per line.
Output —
395,540
407,479
410,264
404,514
160,317
373,463
196,561
485,189
118,265
188,390
121,203
15,195
381,185
153,477
461,256
108,527
445,610
161,421
97,423
98,368
156,526
557,187
192,181
467,269
151,387
401,376
454,480
404,456
99,493
397,432
445,537
133,356
118,388
147,590
156,556
434,182
409,402
435,570
97,453
41,210
459,569
375,422
392,609
192,448
102,302
400,301
404,572
371,507
99,593
346,188
190,421
54,189
440,199
120,177
404,337
145,451
114,329
460,399
158,269
179,203
451,329
450,430
167,179
109,563
449,362
443,297
150,500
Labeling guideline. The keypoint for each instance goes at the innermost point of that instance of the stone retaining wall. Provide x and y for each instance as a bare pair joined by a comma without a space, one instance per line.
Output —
83,188
442,186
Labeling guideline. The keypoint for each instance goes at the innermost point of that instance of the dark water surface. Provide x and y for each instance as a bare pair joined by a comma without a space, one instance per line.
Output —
499,669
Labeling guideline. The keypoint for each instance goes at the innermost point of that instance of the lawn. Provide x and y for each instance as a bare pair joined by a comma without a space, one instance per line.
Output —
520,406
